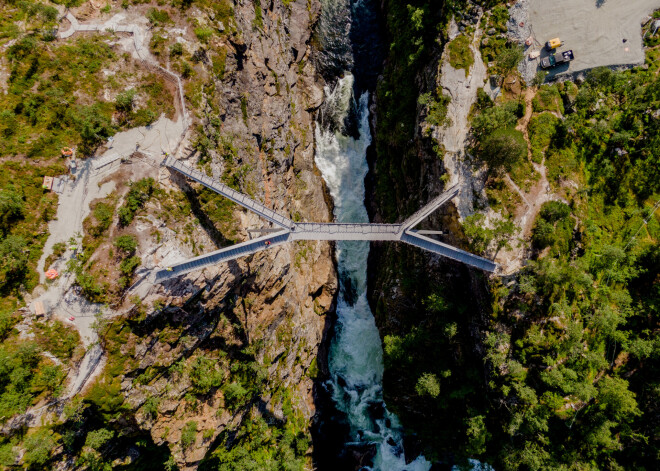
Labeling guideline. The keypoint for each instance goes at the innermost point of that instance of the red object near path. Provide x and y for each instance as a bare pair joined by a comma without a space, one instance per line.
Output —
52,274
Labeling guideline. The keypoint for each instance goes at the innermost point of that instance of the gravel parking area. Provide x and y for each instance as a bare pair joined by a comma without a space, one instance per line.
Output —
600,32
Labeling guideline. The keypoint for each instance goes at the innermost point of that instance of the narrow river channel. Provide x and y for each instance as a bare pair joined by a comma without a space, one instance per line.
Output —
355,359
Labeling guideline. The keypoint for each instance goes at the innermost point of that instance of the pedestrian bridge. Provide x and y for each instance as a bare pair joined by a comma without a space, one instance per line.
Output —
286,230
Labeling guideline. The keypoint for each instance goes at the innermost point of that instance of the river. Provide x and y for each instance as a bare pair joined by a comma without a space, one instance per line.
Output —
347,32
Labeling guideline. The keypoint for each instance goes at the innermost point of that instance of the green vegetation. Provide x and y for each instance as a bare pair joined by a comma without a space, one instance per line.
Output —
126,244
258,22
412,32
570,374
494,25
548,99
508,58
158,17
437,108
553,227
137,196
541,131
498,142
25,377
189,434
61,340
258,444
460,54
503,148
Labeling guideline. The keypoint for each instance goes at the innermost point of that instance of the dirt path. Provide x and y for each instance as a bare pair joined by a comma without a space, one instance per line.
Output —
511,260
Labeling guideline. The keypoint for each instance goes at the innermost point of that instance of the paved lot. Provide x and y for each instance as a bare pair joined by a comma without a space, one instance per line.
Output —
594,29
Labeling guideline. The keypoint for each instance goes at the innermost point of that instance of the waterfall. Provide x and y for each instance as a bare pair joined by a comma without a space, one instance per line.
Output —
356,356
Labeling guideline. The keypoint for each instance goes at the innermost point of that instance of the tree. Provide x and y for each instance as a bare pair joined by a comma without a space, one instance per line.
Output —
12,207
615,397
13,258
493,118
204,375
97,438
508,59
428,385
539,78
503,149
38,447
477,435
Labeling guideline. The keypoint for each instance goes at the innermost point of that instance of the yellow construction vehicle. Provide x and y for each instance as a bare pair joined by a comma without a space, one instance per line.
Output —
553,44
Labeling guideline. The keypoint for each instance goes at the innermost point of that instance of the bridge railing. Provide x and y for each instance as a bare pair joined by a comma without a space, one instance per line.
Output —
429,208
223,255
448,251
235,196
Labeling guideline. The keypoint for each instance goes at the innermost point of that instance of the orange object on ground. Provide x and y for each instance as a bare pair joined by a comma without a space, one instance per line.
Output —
52,274
67,151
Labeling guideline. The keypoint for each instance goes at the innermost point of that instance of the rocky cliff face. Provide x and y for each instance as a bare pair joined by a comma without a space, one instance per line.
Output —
242,338
427,308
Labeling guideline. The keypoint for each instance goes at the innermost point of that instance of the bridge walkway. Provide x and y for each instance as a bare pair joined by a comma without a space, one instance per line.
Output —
224,190
316,231
223,255
426,211
345,231
448,251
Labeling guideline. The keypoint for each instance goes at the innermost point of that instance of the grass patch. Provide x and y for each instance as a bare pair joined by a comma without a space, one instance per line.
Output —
460,54
548,99
541,130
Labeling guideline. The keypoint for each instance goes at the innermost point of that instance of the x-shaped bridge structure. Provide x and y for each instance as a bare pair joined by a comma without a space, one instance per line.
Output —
288,230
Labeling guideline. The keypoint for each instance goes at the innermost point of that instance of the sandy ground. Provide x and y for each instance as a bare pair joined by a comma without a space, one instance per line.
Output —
594,29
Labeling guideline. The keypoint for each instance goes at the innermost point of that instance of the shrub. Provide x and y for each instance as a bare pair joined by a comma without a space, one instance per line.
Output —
93,125
139,194
176,49
157,17
103,213
97,438
90,288
553,211
204,375
38,447
203,34
124,101
494,118
13,258
150,407
437,108
541,132
126,244
235,395
49,379
128,265
553,226
12,207
189,434
507,60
